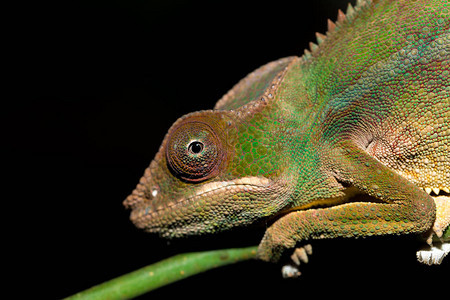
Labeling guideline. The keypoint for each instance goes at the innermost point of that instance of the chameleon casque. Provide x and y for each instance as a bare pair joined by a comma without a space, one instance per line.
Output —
351,139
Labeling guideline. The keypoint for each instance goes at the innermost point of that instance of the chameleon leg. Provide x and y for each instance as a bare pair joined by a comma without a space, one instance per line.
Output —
400,208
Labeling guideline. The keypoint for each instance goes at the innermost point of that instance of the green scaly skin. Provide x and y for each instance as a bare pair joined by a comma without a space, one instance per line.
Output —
340,142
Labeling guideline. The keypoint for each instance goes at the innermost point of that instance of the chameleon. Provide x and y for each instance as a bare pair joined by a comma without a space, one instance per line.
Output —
350,139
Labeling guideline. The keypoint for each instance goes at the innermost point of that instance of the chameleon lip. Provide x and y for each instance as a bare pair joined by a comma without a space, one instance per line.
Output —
246,183
240,183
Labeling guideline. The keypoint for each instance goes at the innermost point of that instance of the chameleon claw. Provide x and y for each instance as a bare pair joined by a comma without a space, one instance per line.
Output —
433,255
301,254
308,249
290,271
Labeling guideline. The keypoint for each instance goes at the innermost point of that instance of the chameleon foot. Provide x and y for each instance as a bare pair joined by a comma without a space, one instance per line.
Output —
300,255
433,255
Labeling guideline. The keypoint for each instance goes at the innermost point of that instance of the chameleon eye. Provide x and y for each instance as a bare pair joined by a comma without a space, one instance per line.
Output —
194,150
196,147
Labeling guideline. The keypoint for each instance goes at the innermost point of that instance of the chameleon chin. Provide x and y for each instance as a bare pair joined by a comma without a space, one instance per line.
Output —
364,111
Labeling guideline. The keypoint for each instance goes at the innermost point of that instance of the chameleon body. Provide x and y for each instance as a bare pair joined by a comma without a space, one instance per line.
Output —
351,139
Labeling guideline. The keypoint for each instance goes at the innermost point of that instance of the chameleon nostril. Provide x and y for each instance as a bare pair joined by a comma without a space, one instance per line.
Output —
154,192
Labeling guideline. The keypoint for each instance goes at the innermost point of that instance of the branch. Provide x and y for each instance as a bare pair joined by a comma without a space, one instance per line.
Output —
164,272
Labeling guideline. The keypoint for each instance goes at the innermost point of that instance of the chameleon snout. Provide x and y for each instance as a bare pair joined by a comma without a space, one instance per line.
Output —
145,201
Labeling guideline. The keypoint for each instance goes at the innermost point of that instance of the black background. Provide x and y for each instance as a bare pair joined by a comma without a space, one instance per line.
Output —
95,86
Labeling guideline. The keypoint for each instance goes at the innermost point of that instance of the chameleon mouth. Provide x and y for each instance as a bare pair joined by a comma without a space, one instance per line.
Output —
209,205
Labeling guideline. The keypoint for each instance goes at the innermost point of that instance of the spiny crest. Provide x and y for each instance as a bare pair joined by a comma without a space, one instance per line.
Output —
342,18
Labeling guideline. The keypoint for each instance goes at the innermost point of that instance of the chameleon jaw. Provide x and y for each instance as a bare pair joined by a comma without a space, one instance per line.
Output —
214,206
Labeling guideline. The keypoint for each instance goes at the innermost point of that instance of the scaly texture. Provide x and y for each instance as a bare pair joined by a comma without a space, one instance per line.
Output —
348,140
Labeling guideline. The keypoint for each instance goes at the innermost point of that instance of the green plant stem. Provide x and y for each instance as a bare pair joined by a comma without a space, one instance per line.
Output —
164,272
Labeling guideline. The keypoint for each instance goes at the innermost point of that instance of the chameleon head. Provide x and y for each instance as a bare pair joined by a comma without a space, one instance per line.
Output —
195,184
